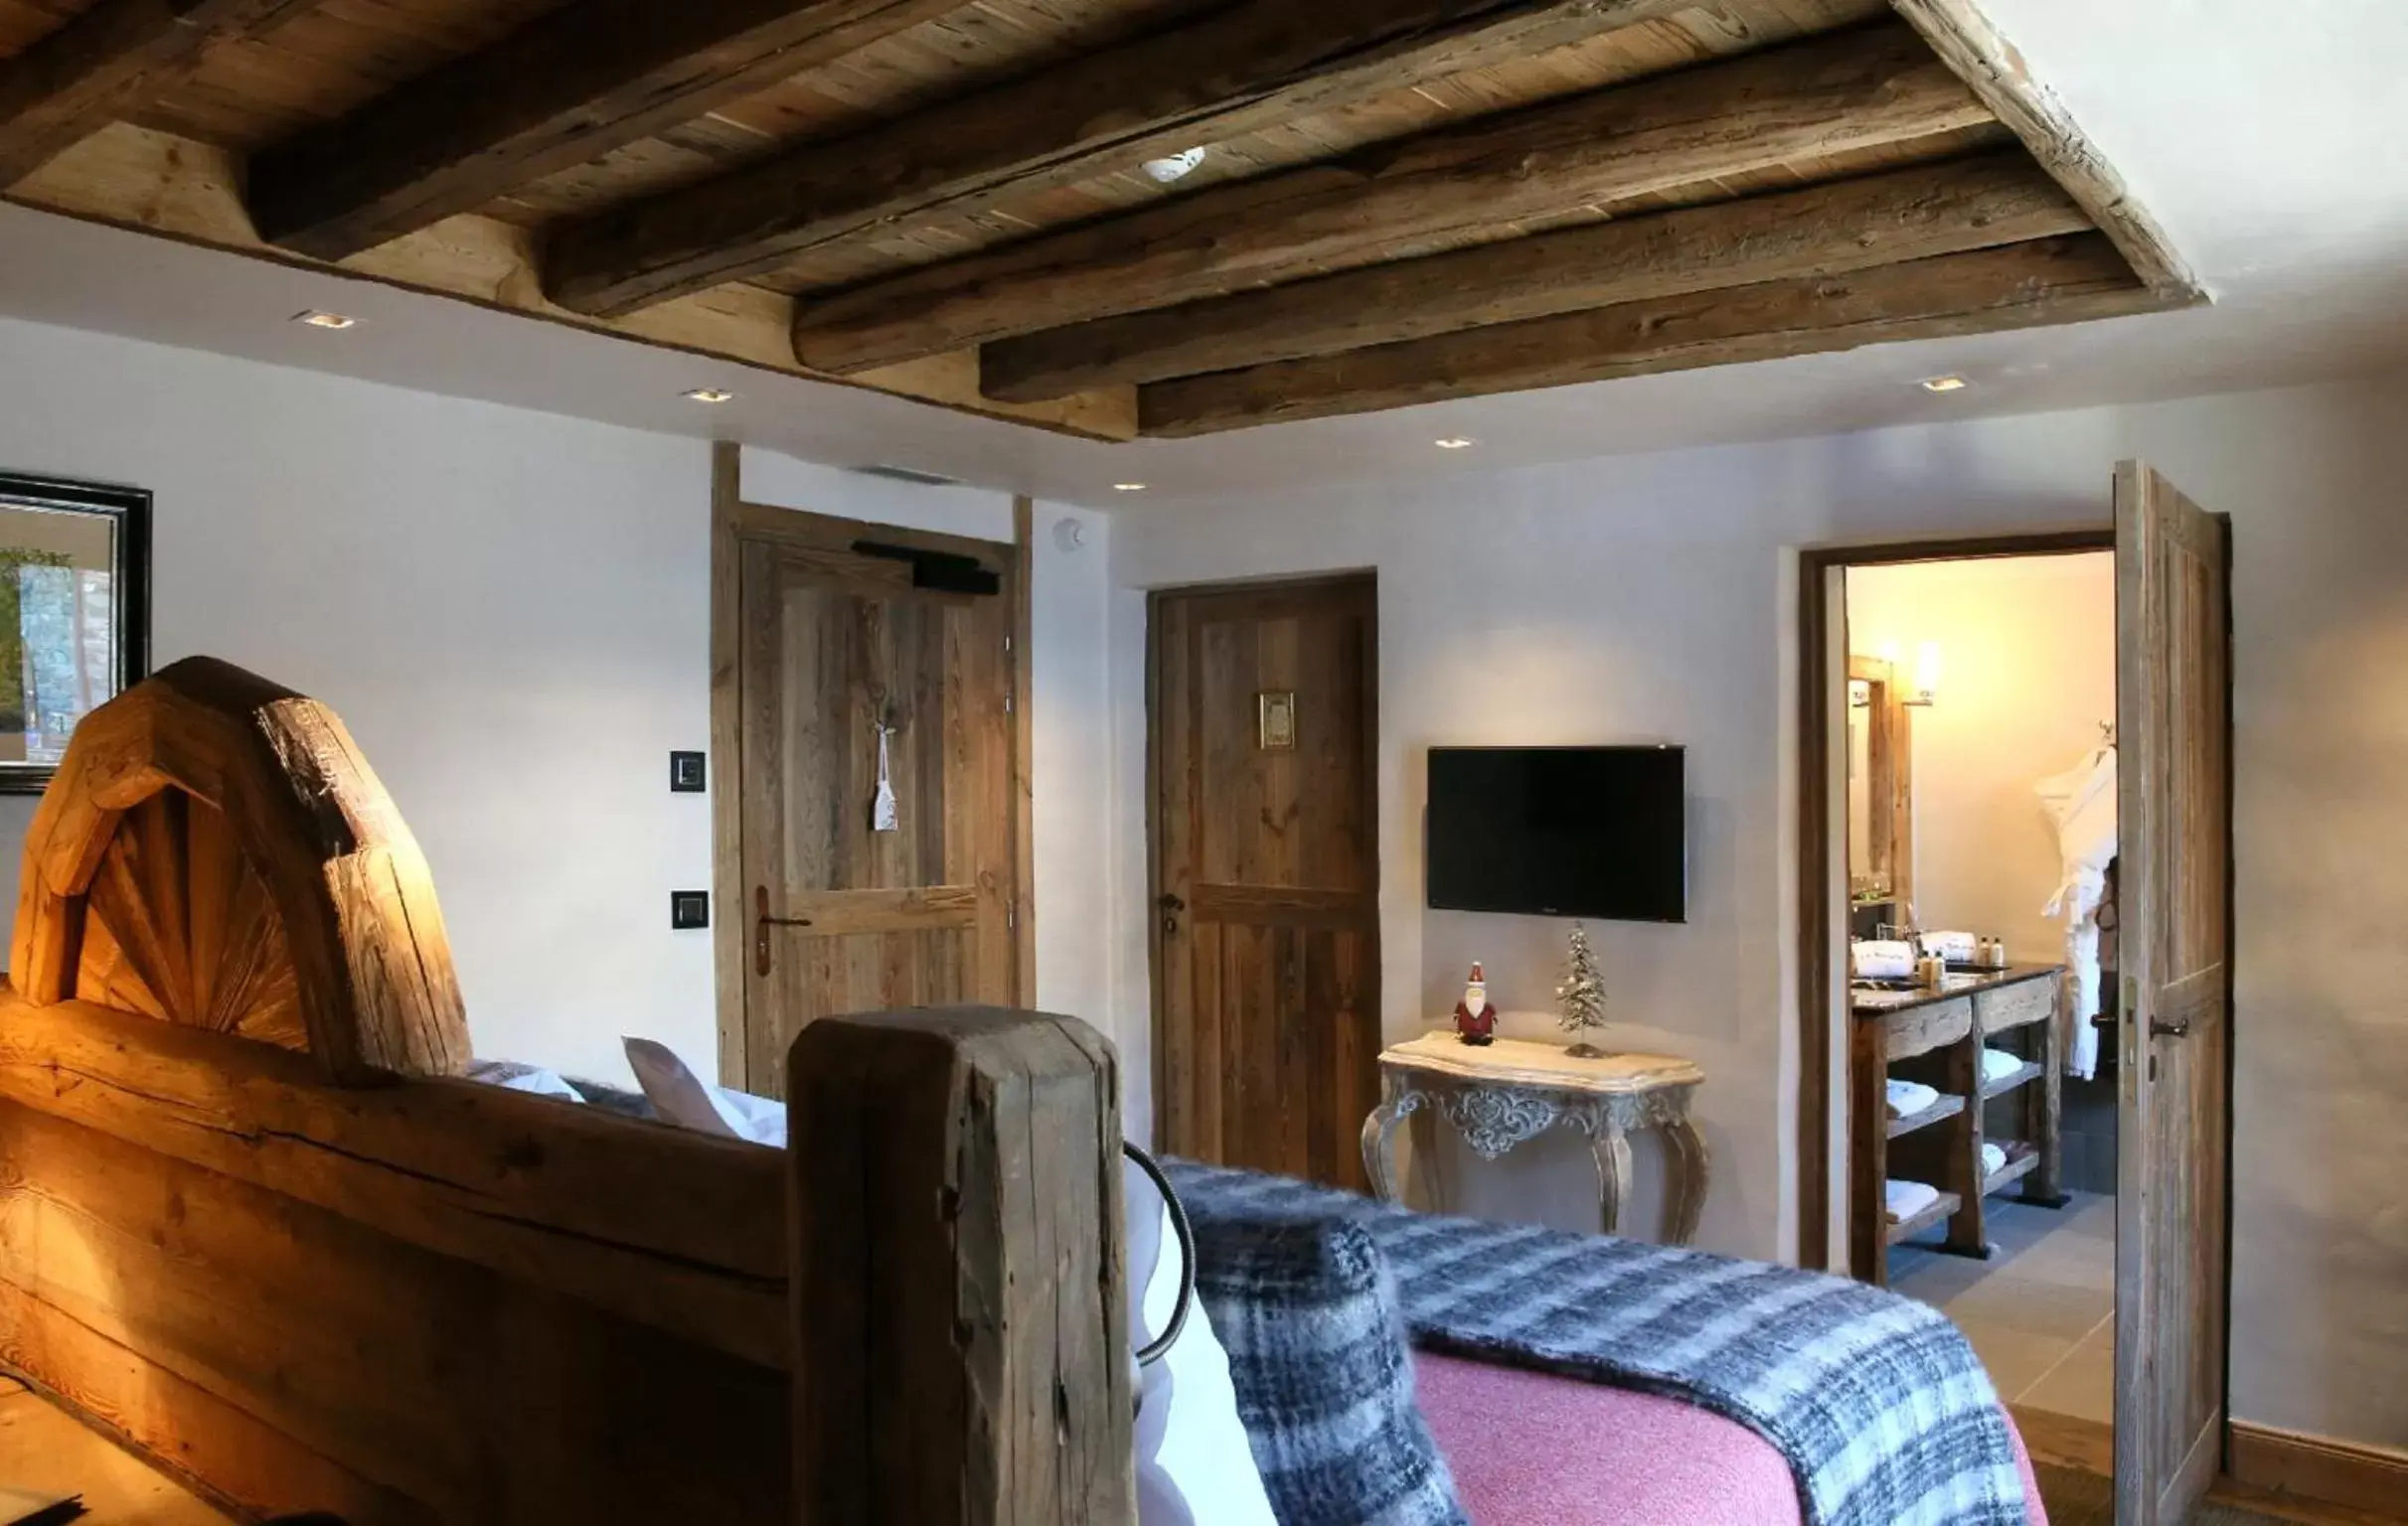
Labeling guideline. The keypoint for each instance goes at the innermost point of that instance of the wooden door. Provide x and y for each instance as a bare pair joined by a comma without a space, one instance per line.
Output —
2173,703
1266,945
837,642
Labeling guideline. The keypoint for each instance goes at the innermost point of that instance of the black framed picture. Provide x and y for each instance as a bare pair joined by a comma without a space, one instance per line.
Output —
75,614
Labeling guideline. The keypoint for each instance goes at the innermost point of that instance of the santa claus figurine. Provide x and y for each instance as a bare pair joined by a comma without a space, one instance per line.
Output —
1474,1019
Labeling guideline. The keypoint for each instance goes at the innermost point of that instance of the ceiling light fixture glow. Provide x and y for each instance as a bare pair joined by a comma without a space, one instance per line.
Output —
1455,443
1177,166
709,394
323,320
1943,385
1128,487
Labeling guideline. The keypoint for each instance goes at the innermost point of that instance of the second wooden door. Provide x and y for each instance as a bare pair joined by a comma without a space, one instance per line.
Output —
1266,942
854,644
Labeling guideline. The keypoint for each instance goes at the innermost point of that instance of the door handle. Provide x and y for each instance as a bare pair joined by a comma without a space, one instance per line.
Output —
2162,1030
1170,906
764,954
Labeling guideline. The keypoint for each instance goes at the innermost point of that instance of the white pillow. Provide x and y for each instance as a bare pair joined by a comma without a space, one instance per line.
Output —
512,1076
1194,1464
685,1099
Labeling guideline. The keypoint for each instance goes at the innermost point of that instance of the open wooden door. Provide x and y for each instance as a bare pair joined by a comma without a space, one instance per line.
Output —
847,630
2173,703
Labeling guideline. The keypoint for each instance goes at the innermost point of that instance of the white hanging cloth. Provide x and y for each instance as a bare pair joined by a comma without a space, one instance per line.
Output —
2081,803
883,814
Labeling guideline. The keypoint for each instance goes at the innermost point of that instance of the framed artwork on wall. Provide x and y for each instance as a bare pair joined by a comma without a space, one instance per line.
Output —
75,614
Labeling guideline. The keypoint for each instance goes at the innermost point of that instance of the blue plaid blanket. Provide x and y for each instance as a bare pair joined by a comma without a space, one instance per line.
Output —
1884,1413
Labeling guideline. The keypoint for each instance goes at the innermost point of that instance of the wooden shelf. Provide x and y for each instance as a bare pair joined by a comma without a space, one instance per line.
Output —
1945,1106
2030,1071
2013,1171
1945,1208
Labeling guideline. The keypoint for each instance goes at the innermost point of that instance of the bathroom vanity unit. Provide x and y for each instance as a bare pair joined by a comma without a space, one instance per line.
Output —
1935,1037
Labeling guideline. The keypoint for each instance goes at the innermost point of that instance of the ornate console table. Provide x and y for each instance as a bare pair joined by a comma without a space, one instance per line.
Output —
1515,1090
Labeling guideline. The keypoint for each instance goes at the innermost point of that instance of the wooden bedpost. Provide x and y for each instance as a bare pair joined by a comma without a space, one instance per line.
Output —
214,852
958,1272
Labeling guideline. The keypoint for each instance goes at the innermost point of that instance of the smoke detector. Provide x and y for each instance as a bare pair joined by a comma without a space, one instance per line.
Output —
1177,166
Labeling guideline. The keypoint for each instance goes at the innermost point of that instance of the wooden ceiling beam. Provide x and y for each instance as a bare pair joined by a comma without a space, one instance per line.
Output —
1967,42
566,88
1914,214
1844,92
1259,64
110,61
2068,279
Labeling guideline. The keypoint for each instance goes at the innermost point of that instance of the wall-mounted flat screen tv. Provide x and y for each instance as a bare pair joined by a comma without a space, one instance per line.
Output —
1559,831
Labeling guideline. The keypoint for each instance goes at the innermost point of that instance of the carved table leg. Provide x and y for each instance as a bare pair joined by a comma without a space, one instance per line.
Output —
1612,1148
1692,1172
1380,1139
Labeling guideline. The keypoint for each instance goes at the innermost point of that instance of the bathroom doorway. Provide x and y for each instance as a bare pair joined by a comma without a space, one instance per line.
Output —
2014,906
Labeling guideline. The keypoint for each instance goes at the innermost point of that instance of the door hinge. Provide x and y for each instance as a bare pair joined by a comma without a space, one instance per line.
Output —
1011,918
1008,697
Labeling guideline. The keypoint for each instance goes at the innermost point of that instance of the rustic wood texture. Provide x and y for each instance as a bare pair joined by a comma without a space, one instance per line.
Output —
1863,88
1912,214
1967,42
2174,690
729,929
962,1273
317,896
2052,281
839,917
1023,751
2293,1467
1255,67
1267,878
572,85
109,61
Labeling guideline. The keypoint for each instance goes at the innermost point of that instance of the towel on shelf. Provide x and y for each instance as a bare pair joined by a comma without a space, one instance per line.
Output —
1956,948
2081,804
1907,1097
1994,1160
1904,1199
1882,959
1998,1064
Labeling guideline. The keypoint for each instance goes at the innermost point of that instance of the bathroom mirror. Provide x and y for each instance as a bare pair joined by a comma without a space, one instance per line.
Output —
1880,786
75,614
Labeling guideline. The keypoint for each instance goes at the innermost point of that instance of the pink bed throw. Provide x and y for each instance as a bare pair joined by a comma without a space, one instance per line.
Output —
1530,1448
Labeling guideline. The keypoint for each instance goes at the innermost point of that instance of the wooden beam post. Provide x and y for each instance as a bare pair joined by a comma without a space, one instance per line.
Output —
109,61
1239,69
566,88
1853,225
959,1271
1865,88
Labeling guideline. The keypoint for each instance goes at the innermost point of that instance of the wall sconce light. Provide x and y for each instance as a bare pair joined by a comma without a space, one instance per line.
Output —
1927,675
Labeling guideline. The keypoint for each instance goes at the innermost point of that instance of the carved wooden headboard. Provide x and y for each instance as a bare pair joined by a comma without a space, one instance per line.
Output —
216,852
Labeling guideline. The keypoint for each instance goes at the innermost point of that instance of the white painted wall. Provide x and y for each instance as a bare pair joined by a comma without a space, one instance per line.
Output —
2028,672
512,612
1653,597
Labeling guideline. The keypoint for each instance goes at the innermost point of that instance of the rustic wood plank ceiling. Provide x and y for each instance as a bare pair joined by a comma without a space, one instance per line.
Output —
1400,200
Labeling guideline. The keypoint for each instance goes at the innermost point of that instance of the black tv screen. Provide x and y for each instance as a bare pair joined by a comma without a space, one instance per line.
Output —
1559,831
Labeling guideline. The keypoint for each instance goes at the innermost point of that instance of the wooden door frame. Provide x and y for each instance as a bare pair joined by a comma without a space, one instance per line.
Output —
1154,599
732,521
1817,925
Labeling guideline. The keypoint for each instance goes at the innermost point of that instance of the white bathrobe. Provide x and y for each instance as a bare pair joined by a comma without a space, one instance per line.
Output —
2082,803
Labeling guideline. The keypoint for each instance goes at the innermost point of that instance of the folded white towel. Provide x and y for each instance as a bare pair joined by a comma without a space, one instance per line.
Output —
1994,1160
1904,1199
1907,1097
1882,959
1956,948
1998,1064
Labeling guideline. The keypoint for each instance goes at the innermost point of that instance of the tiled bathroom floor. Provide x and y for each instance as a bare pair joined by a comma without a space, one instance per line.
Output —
2040,1313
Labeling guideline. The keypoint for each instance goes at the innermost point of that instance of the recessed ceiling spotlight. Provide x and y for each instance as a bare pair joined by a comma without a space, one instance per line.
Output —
1943,385
1455,443
321,320
1177,166
1128,487
709,394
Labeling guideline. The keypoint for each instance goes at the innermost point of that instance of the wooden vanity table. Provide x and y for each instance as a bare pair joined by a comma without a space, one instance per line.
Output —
1937,1037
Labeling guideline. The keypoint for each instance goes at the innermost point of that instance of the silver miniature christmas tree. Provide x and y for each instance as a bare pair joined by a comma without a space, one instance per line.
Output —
1580,998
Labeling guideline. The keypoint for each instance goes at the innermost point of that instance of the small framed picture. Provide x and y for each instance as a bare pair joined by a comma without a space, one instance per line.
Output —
75,614
1277,720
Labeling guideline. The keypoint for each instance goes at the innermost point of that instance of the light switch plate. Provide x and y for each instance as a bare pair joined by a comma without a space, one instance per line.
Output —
689,909
687,774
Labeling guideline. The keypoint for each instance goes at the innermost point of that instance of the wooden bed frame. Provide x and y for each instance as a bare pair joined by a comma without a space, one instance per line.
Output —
255,1226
